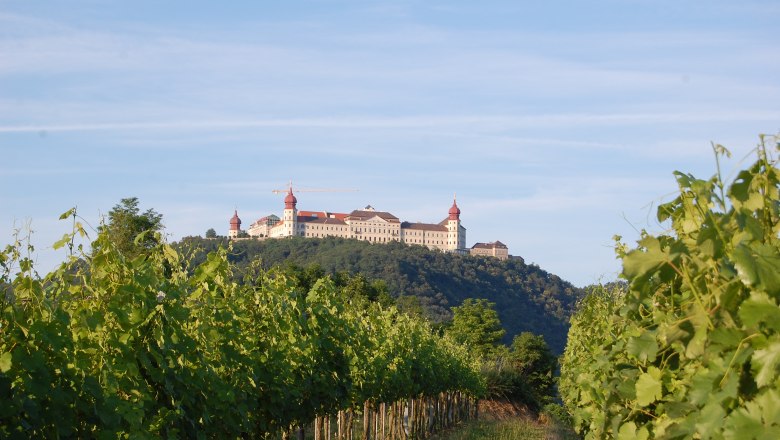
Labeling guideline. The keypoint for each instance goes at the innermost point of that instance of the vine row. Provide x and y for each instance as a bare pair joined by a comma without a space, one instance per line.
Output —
108,346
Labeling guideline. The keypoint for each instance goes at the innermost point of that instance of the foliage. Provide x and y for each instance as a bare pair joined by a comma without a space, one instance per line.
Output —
527,298
211,233
355,289
595,327
522,373
132,232
692,349
557,414
532,358
475,323
109,346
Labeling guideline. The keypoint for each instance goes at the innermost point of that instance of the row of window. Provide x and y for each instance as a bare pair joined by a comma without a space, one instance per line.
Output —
376,239
373,239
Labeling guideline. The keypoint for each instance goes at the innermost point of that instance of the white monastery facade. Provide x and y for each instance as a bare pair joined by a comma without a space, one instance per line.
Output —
367,224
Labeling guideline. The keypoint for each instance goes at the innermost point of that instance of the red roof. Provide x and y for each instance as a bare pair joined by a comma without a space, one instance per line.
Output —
322,214
454,211
290,201
235,222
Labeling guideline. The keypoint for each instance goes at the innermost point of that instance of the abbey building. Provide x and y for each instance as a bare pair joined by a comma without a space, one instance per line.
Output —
366,224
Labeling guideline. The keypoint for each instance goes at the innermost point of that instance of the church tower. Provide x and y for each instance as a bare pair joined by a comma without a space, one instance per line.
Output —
456,233
290,215
235,225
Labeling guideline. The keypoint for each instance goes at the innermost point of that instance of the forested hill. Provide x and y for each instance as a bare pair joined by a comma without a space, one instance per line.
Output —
527,298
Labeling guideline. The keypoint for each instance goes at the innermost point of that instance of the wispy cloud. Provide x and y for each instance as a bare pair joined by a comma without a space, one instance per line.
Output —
502,122
535,116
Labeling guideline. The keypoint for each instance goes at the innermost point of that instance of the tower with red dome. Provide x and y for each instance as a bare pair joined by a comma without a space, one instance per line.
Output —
235,225
456,233
290,214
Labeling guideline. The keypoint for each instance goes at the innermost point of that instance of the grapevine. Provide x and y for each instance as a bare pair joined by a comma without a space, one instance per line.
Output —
691,348
146,346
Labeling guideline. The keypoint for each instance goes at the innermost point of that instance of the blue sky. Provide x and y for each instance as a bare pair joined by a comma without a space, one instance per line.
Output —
558,124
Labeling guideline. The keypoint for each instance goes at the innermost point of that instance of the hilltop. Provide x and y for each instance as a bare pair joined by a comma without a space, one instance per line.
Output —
527,297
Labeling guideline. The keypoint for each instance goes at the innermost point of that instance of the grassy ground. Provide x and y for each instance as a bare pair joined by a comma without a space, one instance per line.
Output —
506,421
512,429
497,430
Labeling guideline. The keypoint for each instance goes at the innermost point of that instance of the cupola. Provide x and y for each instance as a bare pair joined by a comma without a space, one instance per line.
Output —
235,222
290,201
454,210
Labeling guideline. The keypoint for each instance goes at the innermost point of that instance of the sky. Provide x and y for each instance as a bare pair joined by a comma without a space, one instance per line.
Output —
556,124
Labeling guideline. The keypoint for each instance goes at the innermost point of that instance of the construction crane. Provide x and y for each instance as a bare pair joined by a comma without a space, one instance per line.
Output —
290,188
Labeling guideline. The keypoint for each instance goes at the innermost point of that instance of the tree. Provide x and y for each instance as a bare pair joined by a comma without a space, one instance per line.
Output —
476,324
411,305
536,364
211,233
125,225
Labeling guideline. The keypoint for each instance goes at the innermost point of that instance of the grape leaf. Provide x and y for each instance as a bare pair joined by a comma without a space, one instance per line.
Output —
643,347
758,266
760,308
5,362
648,387
764,363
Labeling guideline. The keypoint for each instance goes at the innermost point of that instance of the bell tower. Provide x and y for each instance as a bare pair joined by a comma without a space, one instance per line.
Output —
456,233
290,215
235,225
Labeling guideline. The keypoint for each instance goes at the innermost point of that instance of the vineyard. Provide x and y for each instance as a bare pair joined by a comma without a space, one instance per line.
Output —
690,349
108,346
151,340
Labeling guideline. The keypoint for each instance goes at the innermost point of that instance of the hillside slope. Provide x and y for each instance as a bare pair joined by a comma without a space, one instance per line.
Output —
527,298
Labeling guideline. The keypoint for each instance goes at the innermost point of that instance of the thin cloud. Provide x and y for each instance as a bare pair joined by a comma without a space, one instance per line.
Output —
502,121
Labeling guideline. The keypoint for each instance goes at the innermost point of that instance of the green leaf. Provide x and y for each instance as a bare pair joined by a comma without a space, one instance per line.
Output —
710,419
648,387
5,362
721,150
643,347
67,213
744,423
62,241
764,364
726,337
695,347
760,308
769,402
639,263
743,194
170,253
743,262
627,431
758,266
